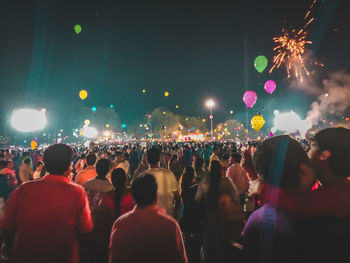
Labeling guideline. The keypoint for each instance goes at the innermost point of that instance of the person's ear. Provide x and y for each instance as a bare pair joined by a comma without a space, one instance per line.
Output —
324,156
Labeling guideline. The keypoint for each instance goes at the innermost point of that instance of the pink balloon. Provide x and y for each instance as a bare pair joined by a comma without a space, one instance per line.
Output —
270,86
250,98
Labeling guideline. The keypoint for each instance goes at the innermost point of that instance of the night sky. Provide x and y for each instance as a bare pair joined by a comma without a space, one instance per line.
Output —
193,49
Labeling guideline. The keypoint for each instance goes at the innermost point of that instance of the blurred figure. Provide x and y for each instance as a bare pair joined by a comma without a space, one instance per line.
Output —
147,233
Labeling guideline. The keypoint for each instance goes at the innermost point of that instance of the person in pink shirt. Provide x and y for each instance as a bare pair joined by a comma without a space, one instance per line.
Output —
147,233
238,176
44,219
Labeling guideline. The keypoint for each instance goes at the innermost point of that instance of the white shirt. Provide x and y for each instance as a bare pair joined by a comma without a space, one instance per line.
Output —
167,184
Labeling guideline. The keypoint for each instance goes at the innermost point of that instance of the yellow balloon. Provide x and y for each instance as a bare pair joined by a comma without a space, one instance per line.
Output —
33,144
107,125
87,122
83,94
166,94
257,122
143,91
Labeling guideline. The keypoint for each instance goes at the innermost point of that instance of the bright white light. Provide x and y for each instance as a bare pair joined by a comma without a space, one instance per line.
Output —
28,120
107,134
210,103
89,132
290,122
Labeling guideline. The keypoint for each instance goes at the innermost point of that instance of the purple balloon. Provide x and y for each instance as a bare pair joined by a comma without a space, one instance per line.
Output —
270,86
250,98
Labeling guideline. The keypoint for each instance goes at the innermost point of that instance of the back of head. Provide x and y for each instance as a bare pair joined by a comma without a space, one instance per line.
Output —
337,142
153,156
26,161
237,157
187,177
215,169
278,161
118,178
144,190
102,167
198,163
57,158
91,159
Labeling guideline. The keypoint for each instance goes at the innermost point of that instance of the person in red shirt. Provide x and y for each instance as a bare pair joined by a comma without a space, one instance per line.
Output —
147,233
44,218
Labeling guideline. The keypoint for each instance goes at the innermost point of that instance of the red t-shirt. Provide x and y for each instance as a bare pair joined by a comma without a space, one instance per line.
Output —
46,215
126,203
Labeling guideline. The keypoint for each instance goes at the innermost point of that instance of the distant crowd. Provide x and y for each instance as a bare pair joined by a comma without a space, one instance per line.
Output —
277,200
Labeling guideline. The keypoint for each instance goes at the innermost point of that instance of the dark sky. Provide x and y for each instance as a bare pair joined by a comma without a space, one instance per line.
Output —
193,49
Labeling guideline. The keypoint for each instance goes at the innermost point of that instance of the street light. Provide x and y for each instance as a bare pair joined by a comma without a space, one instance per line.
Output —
210,103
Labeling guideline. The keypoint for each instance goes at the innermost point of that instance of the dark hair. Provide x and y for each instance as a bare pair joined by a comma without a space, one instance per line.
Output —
236,156
337,141
91,159
153,155
226,156
102,167
57,158
278,161
198,163
26,161
187,177
126,156
39,163
214,181
118,178
144,190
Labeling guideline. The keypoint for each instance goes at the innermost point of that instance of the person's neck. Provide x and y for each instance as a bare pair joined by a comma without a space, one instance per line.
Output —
154,166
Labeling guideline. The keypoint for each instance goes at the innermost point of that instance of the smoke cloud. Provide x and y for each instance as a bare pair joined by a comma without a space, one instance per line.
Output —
334,98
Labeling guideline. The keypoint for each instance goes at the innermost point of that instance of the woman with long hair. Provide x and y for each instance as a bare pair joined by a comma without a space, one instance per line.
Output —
191,222
113,204
224,217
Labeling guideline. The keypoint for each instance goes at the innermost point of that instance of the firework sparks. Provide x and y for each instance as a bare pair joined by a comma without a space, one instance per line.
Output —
290,49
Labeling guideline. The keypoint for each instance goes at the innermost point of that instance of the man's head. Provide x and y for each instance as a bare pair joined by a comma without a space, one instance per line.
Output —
216,150
58,158
91,159
330,153
153,156
102,167
282,162
144,190
235,157
26,161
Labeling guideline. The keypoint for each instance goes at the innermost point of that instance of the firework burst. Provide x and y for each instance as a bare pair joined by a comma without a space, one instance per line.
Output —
291,47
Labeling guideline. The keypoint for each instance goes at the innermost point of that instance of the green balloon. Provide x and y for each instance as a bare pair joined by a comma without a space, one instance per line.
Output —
77,29
260,63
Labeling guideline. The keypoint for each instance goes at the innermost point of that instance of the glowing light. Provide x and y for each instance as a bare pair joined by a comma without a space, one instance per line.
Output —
107,134
204,120
123,125
89,132
177,106
87,122
164,112
33,145
143,91
93,108
166,94
111,106
83,94
231,111
28,120
210,103
290,122
107,125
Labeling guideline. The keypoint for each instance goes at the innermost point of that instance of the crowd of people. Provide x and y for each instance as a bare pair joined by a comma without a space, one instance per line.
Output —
277,200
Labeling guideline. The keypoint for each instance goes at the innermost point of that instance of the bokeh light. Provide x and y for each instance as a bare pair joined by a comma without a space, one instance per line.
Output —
28,120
